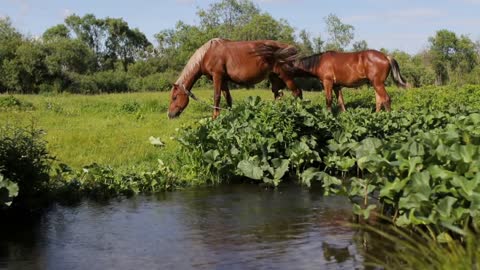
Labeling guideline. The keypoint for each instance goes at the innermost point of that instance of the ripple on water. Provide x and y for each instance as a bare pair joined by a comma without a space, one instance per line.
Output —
233,227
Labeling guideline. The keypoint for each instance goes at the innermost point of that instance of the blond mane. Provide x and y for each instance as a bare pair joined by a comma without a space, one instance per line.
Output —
195,59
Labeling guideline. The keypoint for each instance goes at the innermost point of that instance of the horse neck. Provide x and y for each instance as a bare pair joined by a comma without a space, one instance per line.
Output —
192,71
306,67
190,78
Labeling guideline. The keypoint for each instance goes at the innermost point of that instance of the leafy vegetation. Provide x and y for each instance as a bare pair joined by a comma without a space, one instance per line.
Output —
399,249
417,164
419,167
24,164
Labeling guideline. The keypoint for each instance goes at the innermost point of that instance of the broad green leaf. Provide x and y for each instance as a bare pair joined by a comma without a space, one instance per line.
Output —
444,206
281,167
250,169
156,141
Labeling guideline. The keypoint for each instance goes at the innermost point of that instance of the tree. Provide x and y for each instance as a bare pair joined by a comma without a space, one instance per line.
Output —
123,43
27,71
65,55
360,46
340,34
10,40
452,56
264,26
305,44
232,19
55,32
90,30
225,16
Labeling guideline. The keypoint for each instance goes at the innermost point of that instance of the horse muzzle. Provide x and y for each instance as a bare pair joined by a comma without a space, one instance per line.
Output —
174,114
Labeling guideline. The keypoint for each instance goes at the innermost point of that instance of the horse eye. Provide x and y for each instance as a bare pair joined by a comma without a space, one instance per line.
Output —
174,98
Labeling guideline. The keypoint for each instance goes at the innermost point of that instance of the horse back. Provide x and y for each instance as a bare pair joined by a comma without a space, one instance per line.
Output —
353,68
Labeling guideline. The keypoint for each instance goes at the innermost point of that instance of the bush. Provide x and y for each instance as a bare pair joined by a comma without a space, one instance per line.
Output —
153,82
11,102
8,191
100,82
24,160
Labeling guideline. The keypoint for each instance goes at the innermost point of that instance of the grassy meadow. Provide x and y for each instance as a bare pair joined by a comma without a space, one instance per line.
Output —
112,129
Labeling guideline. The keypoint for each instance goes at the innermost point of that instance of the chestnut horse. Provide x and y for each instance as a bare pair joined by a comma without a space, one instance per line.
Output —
351,69
243,62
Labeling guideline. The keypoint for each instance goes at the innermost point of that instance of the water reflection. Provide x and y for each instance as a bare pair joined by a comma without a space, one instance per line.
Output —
232,227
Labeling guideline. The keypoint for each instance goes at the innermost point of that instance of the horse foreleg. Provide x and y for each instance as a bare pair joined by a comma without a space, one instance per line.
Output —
217,89
340,101
277,84
328,85
381,97
226,93
296,92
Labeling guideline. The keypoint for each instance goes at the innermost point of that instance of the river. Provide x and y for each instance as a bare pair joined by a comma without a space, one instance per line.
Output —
228,227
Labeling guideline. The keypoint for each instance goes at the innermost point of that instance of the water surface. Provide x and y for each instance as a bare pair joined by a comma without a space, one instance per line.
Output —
230,227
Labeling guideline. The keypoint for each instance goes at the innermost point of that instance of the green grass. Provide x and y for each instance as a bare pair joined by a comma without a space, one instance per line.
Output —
114,129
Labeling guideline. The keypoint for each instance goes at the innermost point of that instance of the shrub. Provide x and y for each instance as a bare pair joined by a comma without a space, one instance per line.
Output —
8,191
153,82
11,102
24,160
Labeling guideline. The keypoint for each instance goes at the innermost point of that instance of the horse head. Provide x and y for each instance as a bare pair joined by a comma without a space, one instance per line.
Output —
178,100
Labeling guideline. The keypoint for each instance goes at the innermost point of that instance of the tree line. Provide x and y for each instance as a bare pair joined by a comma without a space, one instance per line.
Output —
86,54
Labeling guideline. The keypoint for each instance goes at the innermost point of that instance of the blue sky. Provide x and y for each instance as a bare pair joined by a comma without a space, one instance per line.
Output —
391,24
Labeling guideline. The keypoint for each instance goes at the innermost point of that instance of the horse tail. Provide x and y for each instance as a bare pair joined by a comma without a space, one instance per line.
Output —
397,76
278,54
286,55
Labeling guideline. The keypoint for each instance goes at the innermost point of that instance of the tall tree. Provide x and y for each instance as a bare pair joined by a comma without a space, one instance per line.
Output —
10,40
225,16
27,71
451,55
90,30
264,26
340,34
123,43
56,32
306,45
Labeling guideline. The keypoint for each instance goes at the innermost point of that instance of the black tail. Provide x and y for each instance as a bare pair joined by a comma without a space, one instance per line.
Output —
397,76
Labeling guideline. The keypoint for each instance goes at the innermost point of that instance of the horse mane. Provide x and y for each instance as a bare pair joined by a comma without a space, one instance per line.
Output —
195,59
312,61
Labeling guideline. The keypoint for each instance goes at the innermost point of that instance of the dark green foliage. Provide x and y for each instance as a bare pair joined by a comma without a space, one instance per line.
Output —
11,102
100,82
24,160
8,191
419,165
104,182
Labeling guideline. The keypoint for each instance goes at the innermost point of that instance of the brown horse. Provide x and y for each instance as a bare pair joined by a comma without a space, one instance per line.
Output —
353,69
243,62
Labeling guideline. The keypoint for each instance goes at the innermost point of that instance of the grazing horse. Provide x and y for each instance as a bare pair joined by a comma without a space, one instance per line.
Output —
352,69
243,62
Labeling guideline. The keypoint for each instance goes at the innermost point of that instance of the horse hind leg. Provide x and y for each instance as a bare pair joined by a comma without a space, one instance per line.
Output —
226,93
381,97
328,86
340,101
